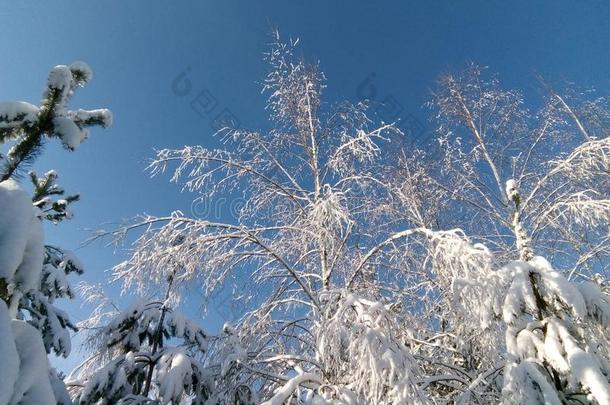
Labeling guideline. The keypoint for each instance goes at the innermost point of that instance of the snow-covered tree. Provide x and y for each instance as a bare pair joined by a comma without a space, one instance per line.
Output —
554,158
301,248
145,353
520,186
557,337
555,331
37,305
32,274
365,279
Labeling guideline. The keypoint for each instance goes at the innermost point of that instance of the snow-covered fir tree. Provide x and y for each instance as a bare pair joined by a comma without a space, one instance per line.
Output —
33,275
147,353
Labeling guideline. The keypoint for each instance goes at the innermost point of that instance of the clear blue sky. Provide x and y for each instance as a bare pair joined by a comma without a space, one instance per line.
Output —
137,49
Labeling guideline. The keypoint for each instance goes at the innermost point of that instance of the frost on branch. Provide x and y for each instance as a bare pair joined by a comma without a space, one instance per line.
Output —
588,166
314,203
469,300
364,355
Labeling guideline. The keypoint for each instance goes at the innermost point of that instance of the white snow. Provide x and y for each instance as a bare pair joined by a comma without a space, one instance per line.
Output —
60,78
29,271
59,389
584,368
110,380
70,134
178,322
21,242
553,340
15,222
598,303
14,113
284,392
32,386
511,189
182,327
82,69
520,294
71,258
9,368
102,115
175,370
524,383
553,351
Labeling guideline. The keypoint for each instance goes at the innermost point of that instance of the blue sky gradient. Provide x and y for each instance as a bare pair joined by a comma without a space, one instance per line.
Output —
392,50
